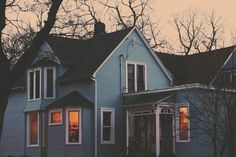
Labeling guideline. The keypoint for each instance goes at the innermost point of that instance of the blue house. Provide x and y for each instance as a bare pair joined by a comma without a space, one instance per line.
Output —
110,95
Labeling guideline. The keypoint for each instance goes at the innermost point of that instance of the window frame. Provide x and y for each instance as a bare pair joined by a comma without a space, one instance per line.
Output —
135,75
67,125
29,133
112,110
178,123
49,117
233,79
34,84
46,81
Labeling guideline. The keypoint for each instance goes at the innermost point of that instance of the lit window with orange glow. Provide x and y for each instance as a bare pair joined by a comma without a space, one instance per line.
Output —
33,128
183,123
55,117
73,126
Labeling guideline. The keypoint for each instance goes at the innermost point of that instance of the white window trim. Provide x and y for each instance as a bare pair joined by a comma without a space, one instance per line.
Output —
28,83
49,117
177,124
45,82
112,110
135,74
28,132
80,125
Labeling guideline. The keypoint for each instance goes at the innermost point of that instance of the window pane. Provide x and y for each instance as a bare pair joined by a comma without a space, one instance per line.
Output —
56,117
131,81
234,81
140,77
106,134
73,117
37,84
33,124
49,83
183,123
31,85
106,118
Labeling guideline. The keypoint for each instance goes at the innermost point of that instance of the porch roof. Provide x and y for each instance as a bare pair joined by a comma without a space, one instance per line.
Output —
72,99
147,98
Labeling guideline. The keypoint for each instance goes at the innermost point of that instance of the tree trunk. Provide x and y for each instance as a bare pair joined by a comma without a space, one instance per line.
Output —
8,77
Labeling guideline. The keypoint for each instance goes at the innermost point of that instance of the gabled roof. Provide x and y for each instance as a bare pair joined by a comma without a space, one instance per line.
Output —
196,68
85,56
73,98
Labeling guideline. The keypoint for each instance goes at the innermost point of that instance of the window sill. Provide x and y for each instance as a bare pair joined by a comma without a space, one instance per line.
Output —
72,144
33,146
55,124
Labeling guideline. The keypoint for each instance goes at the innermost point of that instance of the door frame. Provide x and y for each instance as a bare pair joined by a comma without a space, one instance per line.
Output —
170,109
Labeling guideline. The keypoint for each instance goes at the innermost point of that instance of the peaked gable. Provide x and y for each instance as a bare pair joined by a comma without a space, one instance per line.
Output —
143,39
85,56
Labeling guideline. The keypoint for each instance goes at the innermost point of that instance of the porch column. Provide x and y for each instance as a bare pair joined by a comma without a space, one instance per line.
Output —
157,113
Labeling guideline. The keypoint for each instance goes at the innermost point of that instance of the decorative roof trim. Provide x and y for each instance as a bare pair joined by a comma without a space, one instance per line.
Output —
165,70
234,51
94,74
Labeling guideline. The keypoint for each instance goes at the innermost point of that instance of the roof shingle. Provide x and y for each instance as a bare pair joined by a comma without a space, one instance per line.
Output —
85,55
196,68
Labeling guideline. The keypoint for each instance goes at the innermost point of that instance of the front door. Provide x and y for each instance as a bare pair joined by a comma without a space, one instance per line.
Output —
166,135
142,136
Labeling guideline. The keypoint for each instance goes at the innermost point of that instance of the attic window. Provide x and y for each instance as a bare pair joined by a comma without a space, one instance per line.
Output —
49,82
34,83
135,77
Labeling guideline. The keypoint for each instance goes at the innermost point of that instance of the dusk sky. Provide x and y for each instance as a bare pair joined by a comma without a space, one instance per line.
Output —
164,9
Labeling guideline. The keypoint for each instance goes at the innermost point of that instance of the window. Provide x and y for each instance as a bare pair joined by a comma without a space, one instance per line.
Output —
34,83
55,117
33,128
73,126
233,80
107,126
49,82
183,128
136,77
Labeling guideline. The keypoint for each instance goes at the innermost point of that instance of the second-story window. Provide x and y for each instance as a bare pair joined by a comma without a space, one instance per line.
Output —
233,80
34,84
136,77
49,82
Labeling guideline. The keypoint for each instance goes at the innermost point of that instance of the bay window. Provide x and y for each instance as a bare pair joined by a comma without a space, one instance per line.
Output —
34,84
33,128
55,117
73,126
49,82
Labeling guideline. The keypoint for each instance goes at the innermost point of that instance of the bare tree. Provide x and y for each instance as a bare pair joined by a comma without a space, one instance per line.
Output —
213,115
129,13
9,76
198,32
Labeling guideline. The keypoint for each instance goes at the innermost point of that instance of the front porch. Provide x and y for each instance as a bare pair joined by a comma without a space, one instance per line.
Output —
150,124
150,131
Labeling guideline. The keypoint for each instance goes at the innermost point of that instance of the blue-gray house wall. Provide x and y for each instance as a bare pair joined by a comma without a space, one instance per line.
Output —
51,138
55,140
199,144
111,83
13,135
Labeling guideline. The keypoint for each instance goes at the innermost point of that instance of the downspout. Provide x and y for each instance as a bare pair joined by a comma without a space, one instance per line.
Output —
95,121
121,103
